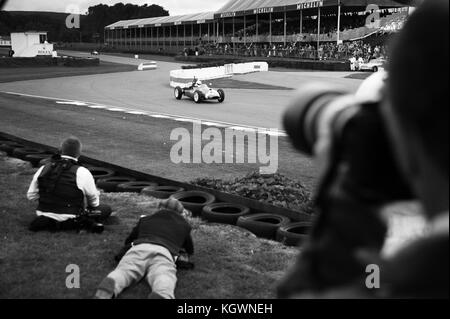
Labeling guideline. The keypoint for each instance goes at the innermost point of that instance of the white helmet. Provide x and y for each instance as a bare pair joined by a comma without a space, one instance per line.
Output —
199,82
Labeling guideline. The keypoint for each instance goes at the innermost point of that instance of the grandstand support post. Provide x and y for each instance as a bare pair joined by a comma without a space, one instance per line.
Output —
170,36
151,38
140,38
301,24
209,30
184,35
135,38
270,28
257,31
217,31
318,28
285,28
125,40
338,22
233,39
178,42
146,38
245,32
200,32
192,34
157,38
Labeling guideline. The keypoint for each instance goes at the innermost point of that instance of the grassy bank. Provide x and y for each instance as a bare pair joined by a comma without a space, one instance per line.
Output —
48,72
230,262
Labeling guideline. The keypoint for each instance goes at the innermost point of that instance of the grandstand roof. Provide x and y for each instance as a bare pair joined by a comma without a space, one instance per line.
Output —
245,7
163,21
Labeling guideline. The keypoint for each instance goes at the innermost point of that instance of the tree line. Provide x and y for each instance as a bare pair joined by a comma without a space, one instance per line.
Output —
91,24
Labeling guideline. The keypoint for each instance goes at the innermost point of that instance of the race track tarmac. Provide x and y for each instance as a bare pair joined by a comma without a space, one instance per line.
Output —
150,91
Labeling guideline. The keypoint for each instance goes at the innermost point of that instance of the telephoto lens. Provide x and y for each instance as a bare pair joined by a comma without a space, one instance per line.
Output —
357,147
307,111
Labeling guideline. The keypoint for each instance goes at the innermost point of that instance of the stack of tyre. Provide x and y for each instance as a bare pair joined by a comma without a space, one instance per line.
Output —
203,204
200,203
20,151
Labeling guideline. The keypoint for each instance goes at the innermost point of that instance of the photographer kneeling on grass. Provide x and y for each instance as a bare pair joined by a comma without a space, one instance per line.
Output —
155,248
67,195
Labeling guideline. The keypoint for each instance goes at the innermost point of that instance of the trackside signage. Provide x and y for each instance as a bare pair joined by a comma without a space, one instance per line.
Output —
309,5
228,14
263,10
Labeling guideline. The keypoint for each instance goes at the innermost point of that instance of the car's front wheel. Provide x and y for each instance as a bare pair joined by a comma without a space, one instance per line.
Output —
197,97
178,92
221,95
375,69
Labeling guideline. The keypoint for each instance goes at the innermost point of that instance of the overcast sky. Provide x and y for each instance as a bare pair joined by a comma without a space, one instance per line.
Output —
175,7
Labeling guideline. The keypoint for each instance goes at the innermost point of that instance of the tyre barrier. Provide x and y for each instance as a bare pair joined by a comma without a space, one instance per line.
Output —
101,172
109,184
194,200
22,152
36,159
294,234
224,213
263,225
9,147
270,223
134,187
161,192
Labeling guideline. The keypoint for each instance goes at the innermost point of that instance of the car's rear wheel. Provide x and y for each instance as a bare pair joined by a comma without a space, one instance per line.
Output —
375,69
197,97
178,92
222,95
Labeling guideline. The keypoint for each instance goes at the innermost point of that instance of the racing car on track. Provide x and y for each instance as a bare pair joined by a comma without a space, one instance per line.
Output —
373,65
199,92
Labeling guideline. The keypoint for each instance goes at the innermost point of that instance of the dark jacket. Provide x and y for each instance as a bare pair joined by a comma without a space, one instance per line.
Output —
166,228
58,190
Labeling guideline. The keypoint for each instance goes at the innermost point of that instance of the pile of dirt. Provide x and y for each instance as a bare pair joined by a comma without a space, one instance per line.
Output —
274,189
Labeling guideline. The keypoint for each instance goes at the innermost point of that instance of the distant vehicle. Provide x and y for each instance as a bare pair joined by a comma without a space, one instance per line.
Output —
200,92
373,65
94,53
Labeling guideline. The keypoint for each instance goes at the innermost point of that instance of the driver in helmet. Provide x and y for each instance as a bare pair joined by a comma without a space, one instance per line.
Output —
196,83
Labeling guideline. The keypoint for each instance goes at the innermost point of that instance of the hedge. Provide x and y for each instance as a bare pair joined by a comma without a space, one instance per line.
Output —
8,62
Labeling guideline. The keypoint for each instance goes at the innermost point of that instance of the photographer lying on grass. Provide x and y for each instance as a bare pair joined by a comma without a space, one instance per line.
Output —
154,249
66,193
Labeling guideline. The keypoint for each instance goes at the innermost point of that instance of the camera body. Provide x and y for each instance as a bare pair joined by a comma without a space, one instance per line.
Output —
359,150
88,220
361,175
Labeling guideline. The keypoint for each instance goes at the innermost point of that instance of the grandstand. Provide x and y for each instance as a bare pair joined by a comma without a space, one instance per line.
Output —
262,28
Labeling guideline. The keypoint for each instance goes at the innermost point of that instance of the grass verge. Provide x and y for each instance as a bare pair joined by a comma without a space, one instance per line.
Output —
230,262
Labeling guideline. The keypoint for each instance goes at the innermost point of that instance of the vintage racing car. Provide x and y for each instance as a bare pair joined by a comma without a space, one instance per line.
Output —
373,65
200,92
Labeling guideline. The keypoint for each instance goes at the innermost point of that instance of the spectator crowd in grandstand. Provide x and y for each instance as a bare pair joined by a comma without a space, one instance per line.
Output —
326,50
